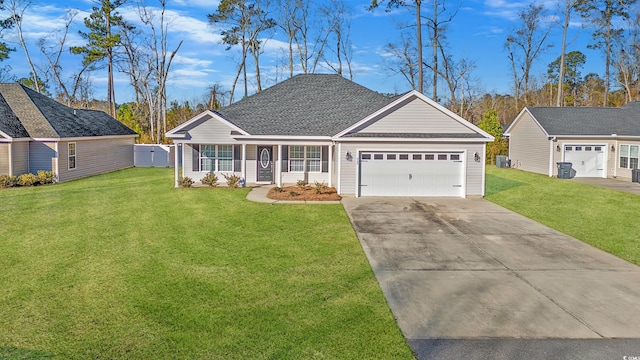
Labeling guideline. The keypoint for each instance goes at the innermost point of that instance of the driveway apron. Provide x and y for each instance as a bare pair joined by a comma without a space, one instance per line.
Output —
469,269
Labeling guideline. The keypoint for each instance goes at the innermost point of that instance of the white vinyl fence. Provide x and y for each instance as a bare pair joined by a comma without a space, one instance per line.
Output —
150,155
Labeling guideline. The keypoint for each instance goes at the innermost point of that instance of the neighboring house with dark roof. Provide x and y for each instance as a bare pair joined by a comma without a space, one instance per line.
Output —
38,133
325,128
599,142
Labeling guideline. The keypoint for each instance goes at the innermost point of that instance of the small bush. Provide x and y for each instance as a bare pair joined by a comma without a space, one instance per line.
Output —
210,180
302,184
45,177
186,182
27,179
293,193
233,180
7,181
320,187
278,189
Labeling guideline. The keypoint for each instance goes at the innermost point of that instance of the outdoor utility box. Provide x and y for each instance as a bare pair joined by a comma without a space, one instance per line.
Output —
502,161
635,175
565,170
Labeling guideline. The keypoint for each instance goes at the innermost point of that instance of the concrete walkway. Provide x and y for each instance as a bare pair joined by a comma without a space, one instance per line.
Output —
259,194
456,271
613,184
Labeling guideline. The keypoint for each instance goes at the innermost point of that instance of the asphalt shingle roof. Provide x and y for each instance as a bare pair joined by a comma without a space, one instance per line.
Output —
305,105
9,123
43,117
589,120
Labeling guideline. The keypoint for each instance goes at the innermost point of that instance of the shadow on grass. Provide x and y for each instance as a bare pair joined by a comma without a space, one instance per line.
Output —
496,184
15,353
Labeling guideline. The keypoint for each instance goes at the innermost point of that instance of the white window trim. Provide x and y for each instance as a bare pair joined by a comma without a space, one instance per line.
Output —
69,156
216,158
305,159
627,155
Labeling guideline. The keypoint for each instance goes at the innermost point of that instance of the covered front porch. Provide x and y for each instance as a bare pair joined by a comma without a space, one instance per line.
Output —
258,162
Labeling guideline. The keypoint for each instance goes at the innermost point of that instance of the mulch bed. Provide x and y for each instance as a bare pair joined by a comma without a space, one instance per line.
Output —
306,194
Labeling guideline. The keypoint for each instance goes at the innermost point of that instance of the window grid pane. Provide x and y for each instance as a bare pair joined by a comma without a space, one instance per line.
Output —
296,165
313,152
314,165
296,152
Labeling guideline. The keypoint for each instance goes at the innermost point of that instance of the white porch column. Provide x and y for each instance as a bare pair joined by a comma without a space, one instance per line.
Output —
330,165
279,167
176,164
243,166
10,155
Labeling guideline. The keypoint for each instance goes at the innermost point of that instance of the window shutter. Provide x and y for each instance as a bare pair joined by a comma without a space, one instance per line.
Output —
285,158
325,159
195,157
237,158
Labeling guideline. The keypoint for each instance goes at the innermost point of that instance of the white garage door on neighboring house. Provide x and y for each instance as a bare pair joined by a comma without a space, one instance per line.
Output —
411,174
587,160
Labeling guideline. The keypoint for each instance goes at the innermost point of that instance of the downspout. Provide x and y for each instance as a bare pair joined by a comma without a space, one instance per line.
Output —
243,164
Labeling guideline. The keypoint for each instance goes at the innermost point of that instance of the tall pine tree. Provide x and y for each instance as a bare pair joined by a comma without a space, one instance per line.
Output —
102,39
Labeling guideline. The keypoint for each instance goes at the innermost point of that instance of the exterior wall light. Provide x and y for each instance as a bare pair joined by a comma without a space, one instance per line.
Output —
558,148
349,156
476,156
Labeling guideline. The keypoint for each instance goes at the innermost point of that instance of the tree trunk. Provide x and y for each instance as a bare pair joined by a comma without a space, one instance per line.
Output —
435,50
567,16
419,40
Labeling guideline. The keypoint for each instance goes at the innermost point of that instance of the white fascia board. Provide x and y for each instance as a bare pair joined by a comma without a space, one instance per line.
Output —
12,140
405,140
172,133
422,97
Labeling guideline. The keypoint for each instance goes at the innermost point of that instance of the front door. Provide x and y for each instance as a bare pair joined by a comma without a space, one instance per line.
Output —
265,164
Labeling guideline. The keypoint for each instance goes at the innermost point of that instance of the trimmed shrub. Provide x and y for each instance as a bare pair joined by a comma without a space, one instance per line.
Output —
302,184
27,179
210,180
45,177
278,189
7,181
233,180
320,187
186,182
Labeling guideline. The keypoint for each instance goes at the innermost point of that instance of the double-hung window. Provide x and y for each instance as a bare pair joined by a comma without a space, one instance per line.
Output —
216,158
314,159
629,156
225,157
296,158
72,155
208,158
305,158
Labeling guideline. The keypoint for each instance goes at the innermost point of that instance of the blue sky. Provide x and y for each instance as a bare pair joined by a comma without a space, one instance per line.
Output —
477,32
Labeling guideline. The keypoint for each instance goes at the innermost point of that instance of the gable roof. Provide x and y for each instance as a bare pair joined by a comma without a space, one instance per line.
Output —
588,121
305,105
27,113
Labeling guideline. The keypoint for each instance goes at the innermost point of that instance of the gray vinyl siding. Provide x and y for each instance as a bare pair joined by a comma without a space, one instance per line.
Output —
40,155
95,156
349,170
210,131
415,116
4,159
20,155
529,146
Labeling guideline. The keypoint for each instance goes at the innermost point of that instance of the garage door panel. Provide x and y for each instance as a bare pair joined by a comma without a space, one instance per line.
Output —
586,160
411,174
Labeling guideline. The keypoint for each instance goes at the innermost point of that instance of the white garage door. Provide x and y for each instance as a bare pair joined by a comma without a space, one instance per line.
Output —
411,174
587,160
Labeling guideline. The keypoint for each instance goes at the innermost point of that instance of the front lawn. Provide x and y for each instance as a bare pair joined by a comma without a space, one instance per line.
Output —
604,218
125,266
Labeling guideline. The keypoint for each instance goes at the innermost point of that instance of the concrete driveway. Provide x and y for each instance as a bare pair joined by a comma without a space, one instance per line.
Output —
469,269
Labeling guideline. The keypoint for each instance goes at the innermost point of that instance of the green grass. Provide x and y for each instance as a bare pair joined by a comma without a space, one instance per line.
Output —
123,265
606,219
